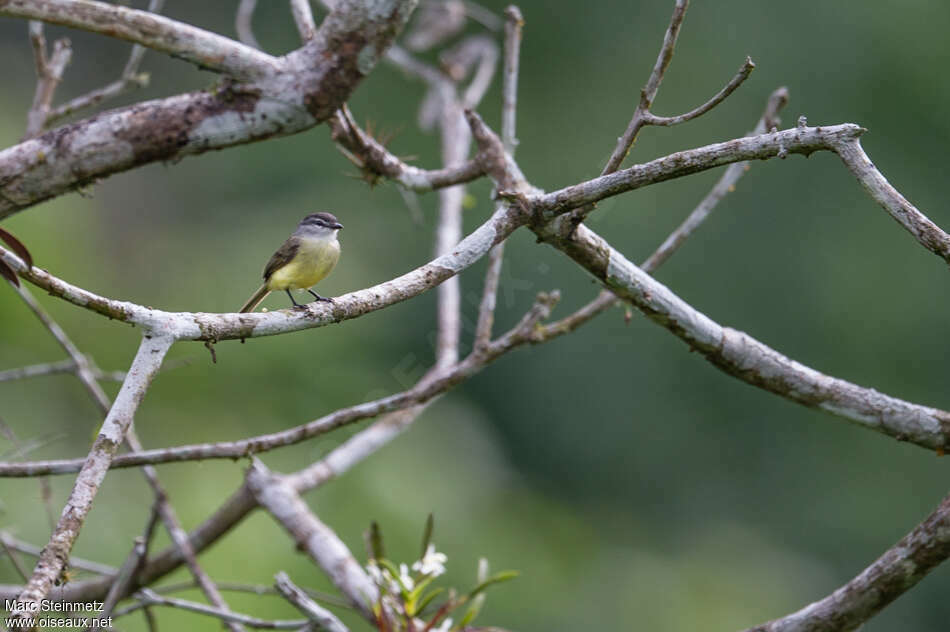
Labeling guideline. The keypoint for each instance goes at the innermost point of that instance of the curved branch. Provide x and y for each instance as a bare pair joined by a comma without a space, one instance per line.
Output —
775,144
666,121
231,326
371,156
731,351
744,357
928,234
423,392
206,49
890,576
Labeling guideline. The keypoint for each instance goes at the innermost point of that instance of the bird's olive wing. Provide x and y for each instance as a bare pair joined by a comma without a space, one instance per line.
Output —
282,257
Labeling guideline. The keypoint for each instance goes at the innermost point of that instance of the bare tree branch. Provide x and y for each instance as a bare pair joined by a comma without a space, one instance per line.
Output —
54,556
74,562
322,618
741,75
303,18
314,537
776,144
446,376
648,94
243,19
151,598
726,184
207,50
49,72
303,90
513,25
730,350
216,327
370,155
891,575
129,80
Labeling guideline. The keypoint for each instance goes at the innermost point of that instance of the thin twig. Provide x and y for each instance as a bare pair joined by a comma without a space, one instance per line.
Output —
725,185
741,75
20,451
148,598
201,47
243,18
303,18
322,618
648,94
73,562
129,80
14,559
513,26
49,72
128,573
371,156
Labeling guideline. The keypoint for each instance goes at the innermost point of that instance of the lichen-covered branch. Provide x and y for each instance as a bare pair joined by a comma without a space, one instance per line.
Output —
304,89
314,537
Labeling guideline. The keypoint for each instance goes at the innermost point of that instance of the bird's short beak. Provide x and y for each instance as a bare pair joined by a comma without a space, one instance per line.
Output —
338,226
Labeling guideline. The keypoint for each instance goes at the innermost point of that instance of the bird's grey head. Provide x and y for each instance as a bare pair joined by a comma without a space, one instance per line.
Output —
320,224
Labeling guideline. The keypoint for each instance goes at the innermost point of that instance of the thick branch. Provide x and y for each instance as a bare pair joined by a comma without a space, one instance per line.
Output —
178,39
301,92
311,535
890,576
741,356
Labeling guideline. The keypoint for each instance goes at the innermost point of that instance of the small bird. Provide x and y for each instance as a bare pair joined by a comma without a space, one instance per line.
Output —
305,259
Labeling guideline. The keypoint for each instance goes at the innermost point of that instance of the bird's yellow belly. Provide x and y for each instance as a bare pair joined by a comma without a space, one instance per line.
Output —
312,263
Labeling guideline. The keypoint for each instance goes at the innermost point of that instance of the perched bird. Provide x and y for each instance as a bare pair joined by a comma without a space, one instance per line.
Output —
305,259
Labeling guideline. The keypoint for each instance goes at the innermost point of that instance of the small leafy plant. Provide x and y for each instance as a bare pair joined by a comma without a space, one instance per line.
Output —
407,599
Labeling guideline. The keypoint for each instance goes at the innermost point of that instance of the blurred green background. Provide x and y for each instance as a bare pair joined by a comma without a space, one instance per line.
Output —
632,484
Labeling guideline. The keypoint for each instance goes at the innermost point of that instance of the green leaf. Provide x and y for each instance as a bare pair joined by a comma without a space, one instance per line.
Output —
497,578
425,601
427,535
374,542
472,611
389,566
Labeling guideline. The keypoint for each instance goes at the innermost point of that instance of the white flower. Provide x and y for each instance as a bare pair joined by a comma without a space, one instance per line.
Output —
445,625
405,578
432,563
375,573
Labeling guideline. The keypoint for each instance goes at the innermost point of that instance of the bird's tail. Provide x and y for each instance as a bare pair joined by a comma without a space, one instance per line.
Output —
255,299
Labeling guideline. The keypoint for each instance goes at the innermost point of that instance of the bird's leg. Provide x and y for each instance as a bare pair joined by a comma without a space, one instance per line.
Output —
320,298
296,304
